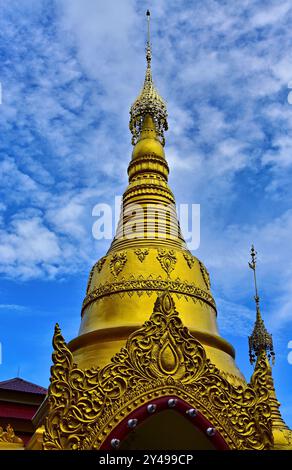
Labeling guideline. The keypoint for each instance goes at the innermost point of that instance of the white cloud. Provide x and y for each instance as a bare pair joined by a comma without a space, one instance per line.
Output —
28,244
13,307
233,313
271,15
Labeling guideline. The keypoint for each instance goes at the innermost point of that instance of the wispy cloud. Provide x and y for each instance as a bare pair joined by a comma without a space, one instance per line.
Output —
13,307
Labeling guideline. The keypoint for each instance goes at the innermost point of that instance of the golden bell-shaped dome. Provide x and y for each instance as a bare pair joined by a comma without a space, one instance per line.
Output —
148,142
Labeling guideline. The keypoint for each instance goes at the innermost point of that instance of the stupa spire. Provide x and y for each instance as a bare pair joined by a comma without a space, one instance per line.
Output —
260,340
148,253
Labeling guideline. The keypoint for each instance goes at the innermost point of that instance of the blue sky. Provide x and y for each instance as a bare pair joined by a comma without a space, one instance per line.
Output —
69,73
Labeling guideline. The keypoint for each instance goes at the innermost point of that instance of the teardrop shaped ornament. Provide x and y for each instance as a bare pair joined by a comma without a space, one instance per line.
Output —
168,359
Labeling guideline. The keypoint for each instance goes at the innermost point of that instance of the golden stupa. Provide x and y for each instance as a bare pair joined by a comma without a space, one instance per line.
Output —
148,369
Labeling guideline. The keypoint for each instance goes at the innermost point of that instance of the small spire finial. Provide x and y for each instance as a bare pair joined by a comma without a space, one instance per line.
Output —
253,265
148,44
260,340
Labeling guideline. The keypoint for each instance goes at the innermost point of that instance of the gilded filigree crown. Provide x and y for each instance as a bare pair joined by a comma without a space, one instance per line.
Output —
148,102
260,340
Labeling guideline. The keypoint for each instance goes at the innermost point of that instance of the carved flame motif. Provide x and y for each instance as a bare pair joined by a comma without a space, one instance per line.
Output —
159,359
205,275
141,254
190,259
98,266
167,259
117,263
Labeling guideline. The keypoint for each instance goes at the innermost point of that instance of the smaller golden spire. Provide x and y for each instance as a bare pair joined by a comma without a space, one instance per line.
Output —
260,340
149,101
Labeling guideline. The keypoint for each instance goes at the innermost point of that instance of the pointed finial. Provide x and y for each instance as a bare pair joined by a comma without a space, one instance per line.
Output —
148,45
253,265
260,340
149,102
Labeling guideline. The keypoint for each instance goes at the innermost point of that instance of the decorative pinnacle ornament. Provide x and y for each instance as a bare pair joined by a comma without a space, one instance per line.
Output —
260,340
149,102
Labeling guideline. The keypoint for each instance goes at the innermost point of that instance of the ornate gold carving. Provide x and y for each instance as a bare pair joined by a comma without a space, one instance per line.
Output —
117,263
9,435
159,359
141,253
167,259
149,285
98,266
190,259
205,275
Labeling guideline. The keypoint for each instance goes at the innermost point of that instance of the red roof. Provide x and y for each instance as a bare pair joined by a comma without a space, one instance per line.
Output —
20,385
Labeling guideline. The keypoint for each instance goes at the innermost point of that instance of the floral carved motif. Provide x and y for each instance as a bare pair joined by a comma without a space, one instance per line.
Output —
117,263
167,259
141,254
160,358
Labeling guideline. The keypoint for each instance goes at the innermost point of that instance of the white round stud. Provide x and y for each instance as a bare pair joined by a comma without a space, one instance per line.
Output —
132,423
115,443
151,408
172,402
192,412
210,432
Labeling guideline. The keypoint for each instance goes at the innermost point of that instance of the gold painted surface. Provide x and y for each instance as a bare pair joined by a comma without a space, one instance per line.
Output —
36,441
86,405
118,300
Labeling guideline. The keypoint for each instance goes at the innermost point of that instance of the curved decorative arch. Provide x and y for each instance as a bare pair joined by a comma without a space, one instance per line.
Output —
160,359
142,413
